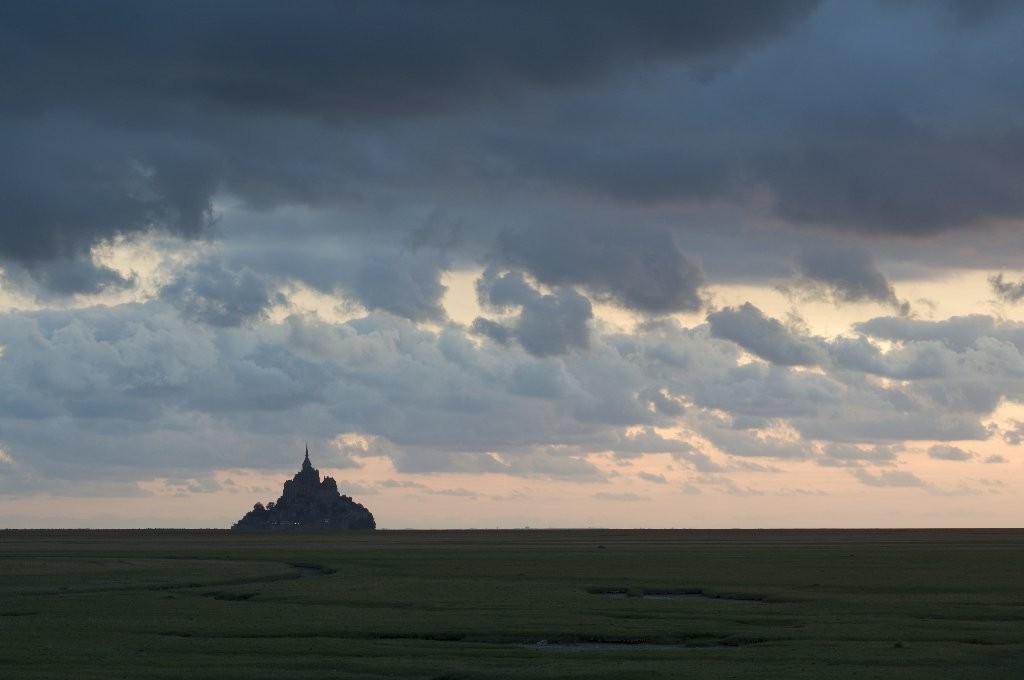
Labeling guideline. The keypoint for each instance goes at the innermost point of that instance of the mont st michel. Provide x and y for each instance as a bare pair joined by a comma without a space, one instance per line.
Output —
308,504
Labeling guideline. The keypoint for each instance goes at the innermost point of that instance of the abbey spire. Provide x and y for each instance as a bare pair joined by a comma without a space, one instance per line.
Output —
307,503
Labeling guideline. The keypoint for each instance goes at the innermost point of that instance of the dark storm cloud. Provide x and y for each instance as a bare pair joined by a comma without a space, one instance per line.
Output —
975,12
68,276
120,118
924,185
849,274
641,268
749,328
124,117
842,124
390,56
66,184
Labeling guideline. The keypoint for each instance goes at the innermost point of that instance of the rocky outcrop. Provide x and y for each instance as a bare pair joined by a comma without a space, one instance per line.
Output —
308,504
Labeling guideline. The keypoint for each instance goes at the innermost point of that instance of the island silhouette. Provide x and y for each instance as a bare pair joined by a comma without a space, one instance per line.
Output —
306,504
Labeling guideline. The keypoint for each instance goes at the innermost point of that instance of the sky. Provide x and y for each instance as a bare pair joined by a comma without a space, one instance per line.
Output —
507,264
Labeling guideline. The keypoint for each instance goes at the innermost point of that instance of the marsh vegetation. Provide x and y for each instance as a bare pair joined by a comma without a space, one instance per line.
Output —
466,604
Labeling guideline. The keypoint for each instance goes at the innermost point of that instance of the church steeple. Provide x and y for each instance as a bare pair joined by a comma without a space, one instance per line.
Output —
308,476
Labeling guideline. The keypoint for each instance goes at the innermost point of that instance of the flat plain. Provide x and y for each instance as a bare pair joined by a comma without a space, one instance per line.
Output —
512,604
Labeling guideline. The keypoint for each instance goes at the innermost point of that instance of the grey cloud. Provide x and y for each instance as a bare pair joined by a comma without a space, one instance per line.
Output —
700,461
403,285
439,399
457,493
643,441
121,118
427,461
193,485
925,359
749,328
545,378
69,184
857,354
995,459
724,485
1015,435
946,452
492,329
876,420
388,57
397,280
972,13
196,398
641,268
754,393
958,333
210,293
75,385
126,119
1007,291
652,477
68,276
966,365
397,484
619,497
890,478
504,291
547,324
549,462
662,402
555,323
848,273
927,184
749,444
884,149
851,454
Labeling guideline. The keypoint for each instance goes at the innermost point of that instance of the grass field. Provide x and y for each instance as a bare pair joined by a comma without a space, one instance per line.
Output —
475,604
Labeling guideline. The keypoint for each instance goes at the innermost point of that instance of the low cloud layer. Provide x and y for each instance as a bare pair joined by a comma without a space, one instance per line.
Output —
192,397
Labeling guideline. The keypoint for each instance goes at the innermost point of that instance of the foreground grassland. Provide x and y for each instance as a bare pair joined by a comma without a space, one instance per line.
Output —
465,604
